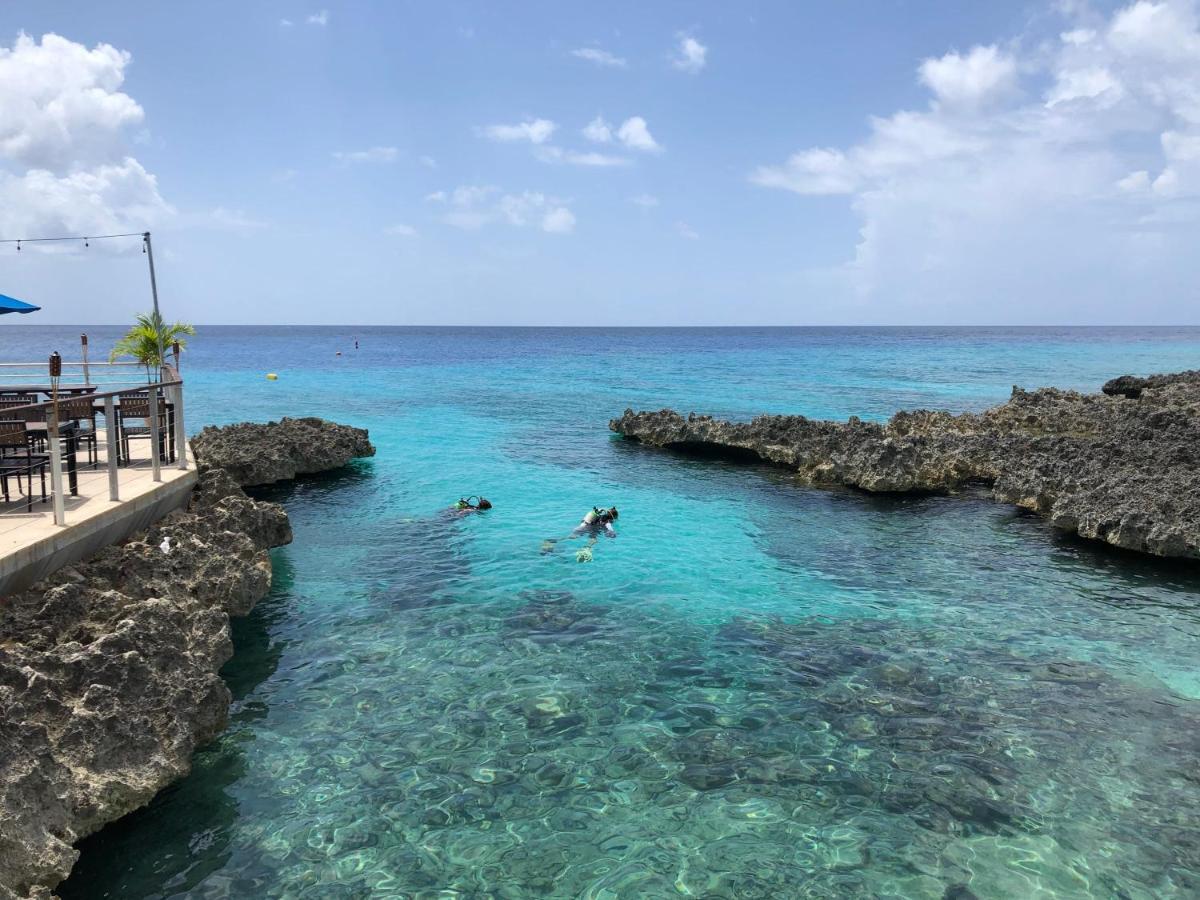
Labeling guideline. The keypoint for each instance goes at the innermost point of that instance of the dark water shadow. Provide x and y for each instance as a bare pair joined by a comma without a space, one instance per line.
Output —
356,475
193,819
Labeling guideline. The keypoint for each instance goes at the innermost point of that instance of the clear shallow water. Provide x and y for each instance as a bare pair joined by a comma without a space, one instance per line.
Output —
756,690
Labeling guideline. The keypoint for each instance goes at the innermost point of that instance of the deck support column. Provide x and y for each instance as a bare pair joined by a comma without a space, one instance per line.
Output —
56,471
180,431
110,439
155,435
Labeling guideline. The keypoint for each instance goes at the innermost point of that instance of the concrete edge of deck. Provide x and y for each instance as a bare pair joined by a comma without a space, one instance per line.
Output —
30,564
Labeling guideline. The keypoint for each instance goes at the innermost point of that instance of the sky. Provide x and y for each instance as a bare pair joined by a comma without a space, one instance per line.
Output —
624,163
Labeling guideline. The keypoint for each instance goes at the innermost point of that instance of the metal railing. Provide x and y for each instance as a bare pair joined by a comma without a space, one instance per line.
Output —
167,391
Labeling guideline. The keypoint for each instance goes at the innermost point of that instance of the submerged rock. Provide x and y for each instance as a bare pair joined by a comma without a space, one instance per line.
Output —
108,669
1121,467
257,454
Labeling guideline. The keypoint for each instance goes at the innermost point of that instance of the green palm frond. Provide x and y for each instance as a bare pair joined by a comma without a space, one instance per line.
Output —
149,337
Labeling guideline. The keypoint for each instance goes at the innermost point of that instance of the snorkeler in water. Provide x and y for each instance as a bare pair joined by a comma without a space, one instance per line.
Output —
596,521
467,505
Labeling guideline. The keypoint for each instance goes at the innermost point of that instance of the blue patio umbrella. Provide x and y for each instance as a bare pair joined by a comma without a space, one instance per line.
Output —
13,305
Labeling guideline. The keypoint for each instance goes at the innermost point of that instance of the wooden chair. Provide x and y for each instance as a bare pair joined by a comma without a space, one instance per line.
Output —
135,407
82,411
9,401
17,457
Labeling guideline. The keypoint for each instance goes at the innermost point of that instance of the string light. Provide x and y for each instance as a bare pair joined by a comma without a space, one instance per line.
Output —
85,238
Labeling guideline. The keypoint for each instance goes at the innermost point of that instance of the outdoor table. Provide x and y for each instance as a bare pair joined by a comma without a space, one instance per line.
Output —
64,390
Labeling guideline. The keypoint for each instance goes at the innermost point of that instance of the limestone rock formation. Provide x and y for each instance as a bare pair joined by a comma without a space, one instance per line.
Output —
256,454
108,669
1122,466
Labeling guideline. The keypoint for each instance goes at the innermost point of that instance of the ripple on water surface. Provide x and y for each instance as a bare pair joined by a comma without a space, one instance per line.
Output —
757,690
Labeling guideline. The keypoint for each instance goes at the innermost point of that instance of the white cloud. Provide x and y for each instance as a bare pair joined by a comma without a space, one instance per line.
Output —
598,131
602,58
105,198
601,160
1167,183
471,207
686,231
319,18
1078,36
982,75
60,102
536,131
1135,182
428,162
997,200
1084,84
1162,31
400,230
371,155
558,220
286,23
576,158
233,220
690,55
645,201
635,135
65,134
820,170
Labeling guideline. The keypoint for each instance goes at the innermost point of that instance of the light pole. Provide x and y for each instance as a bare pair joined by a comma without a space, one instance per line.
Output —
150,256
162,350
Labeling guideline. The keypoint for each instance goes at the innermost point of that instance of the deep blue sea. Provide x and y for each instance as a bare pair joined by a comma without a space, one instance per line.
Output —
756,690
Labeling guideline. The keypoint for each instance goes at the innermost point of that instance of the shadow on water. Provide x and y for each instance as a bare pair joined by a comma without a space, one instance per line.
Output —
418,561
192,820
350,483
909,538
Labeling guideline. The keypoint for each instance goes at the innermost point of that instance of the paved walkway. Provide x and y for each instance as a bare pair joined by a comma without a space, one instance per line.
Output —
21,530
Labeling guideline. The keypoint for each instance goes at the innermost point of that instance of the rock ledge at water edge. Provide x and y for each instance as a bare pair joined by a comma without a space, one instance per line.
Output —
1121,466
256,454
108,668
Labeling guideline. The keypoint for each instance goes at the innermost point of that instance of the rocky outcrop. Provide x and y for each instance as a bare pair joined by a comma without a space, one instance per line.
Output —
108,669
256,454
1122,466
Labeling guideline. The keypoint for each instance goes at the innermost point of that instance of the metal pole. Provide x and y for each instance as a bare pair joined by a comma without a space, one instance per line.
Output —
110,439
153,282
162,350
155,434
83,341
180,432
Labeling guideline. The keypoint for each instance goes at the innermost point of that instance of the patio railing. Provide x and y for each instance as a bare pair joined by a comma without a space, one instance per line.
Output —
160,396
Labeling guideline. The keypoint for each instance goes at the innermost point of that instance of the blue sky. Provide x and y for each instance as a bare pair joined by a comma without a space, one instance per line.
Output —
616,163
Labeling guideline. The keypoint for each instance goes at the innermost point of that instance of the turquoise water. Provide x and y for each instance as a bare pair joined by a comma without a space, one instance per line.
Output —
756,690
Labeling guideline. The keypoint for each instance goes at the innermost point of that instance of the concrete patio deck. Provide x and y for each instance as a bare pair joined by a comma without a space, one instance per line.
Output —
32,546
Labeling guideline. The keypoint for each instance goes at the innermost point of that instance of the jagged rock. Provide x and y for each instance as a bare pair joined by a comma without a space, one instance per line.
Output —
1131,386
255,454
1119,467
108,669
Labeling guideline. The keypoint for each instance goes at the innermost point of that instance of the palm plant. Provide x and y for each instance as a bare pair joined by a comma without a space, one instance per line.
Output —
147,340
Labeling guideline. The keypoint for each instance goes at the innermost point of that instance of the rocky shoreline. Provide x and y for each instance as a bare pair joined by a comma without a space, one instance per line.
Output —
1121,466
108,669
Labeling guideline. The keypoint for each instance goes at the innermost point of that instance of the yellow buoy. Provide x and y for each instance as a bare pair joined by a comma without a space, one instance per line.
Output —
271,376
